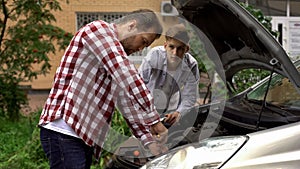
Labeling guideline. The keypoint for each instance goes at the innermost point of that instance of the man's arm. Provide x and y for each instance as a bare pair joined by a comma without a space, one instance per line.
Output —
101,40
190,92
153,136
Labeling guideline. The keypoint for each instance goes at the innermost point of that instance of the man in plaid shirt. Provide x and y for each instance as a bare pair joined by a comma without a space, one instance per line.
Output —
94,76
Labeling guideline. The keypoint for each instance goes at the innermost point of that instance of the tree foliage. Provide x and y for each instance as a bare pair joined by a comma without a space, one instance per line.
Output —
266,21
248,77
27,38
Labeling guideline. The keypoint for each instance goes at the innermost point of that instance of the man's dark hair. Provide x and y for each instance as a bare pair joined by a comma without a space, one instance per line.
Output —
146,19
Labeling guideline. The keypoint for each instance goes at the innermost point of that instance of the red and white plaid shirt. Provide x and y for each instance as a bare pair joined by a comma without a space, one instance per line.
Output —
87,83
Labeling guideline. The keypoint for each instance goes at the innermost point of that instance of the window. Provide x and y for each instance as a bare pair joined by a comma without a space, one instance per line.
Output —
270,7
84,18
276,7
295,6
281,92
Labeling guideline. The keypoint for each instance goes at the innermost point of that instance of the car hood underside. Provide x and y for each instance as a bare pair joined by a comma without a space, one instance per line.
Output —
240,40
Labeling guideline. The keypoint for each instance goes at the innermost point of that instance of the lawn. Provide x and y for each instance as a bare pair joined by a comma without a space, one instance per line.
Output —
20,146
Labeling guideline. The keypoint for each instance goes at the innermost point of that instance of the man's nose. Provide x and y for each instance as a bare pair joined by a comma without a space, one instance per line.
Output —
174,51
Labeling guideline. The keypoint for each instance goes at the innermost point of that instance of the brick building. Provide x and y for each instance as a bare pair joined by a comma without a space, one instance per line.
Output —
285,19
285,16
74,15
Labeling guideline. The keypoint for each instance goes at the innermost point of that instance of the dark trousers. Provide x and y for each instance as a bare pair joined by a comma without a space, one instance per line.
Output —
65,152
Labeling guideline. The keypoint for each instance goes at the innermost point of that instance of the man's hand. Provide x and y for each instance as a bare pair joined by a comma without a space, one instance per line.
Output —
172,117
160,132
157,148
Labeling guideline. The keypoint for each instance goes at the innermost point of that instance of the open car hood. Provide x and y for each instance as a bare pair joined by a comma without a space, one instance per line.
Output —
239,39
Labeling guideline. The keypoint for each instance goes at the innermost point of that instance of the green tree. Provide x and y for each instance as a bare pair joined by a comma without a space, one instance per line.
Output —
248,77
264,20
27,38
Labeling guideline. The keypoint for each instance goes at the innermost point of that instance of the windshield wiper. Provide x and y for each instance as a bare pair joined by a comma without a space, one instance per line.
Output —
272,107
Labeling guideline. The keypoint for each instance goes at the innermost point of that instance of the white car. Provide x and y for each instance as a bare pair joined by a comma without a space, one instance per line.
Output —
274,148
263,121
258,128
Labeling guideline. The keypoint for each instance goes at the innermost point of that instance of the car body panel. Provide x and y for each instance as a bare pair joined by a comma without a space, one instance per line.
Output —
278,147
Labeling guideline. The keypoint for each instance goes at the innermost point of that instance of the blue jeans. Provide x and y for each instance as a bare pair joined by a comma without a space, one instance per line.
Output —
65,152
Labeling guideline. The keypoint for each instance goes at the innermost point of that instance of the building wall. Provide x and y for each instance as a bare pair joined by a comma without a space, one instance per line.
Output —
285,16
66,19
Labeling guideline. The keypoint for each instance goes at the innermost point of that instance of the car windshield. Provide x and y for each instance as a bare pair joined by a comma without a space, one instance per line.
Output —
281,92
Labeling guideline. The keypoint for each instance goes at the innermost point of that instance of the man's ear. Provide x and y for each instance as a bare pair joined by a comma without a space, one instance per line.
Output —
131,25
165,44
187,48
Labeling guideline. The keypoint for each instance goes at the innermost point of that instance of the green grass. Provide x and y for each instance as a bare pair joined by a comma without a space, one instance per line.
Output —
20,146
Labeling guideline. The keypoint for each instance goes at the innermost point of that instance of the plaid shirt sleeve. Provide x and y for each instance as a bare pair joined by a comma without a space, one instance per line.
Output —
128,109
103,43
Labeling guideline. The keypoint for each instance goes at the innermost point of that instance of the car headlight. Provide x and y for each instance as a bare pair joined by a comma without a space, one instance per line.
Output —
207,154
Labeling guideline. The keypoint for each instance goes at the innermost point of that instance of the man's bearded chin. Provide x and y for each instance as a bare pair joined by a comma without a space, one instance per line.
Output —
125,46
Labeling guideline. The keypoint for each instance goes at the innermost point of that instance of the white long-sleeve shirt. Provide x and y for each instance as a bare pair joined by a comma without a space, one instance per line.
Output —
176,91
